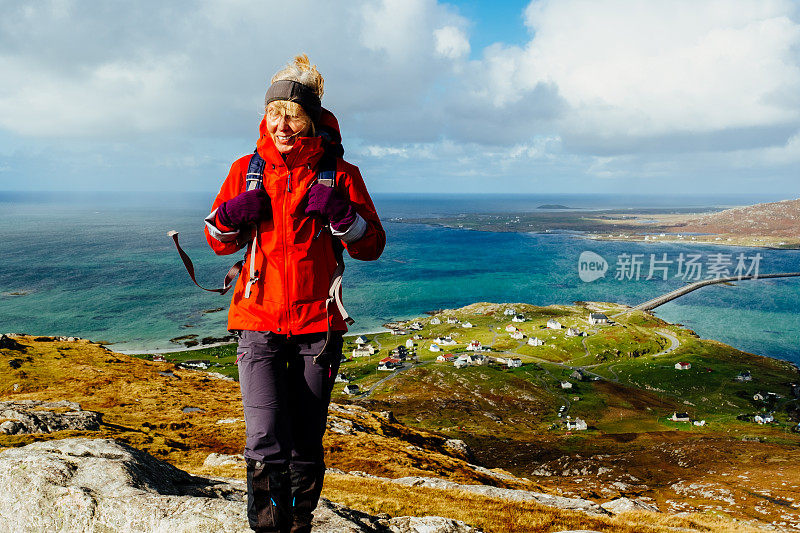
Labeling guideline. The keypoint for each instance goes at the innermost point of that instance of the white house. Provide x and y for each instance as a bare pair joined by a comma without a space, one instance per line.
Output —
577,425
435,321
554,324
361,339
744,376
597,318
466,325
572,332
699,422
477,360
202,364
474,346
566,385
511,328
518,335
351,389
434,348
409,344
389,364
341,378
519,318
513,362
764,418
416,326
364,350
535,341
452,320
446,358
444,341
509,311
766,396
398,331
460,362
683,365
416,337
679,417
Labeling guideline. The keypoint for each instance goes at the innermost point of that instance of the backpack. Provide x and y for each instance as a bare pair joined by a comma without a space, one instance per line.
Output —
326,175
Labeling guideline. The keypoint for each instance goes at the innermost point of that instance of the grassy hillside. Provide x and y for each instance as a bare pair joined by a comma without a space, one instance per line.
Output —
726,469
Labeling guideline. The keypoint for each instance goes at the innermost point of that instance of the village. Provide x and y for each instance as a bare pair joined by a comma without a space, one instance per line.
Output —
512,339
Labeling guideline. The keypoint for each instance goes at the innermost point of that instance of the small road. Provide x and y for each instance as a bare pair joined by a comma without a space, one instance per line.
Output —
675,343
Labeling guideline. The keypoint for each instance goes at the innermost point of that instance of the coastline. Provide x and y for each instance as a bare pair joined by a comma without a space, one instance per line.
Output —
218,344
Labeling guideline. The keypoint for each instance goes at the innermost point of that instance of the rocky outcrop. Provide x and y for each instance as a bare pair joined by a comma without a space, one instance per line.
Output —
622,505
31,416
8,343
575,504
460,449
101,485
515,495
221,459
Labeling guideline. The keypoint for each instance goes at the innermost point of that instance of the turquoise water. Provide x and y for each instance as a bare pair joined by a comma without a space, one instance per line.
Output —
102,267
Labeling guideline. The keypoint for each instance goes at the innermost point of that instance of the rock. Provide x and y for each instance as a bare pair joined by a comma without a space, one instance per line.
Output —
501,475
427,524
217,375
621,505
7,343
32,416
221,459
460,449
576,504
388,416
230,420
103,485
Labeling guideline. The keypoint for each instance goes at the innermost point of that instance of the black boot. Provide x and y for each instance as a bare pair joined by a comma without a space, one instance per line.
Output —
306,488
268,497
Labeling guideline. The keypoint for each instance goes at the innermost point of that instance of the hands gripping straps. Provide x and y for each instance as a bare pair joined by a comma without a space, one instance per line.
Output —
254,180
326,175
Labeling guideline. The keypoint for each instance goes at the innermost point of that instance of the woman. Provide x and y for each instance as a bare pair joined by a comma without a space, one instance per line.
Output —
290,330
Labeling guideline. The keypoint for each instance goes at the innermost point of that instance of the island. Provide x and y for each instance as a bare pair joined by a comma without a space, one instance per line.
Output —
774,225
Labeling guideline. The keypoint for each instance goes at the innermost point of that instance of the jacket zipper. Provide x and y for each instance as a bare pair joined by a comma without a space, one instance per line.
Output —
285,255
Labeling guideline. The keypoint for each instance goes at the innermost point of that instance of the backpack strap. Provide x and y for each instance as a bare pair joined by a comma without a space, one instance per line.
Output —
326,175
254,179
187,262
255,172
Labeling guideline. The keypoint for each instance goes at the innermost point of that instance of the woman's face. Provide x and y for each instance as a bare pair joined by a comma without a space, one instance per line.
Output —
285,127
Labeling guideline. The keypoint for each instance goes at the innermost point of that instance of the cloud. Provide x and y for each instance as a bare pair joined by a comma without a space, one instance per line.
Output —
612,89
133,69
627,70
451,42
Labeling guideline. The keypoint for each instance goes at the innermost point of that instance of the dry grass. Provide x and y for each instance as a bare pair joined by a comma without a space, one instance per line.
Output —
499,515
143,408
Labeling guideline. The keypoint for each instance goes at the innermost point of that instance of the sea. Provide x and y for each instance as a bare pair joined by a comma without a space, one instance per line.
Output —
101,266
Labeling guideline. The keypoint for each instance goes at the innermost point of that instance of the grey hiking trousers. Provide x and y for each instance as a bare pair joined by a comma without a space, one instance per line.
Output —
286,394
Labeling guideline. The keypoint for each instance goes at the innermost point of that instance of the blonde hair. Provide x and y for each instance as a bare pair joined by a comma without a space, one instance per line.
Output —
302,71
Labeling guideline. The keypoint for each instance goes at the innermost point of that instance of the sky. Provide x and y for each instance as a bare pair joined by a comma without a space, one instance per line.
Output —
547,96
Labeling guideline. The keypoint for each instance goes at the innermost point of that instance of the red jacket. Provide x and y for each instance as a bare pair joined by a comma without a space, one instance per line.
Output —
295,259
